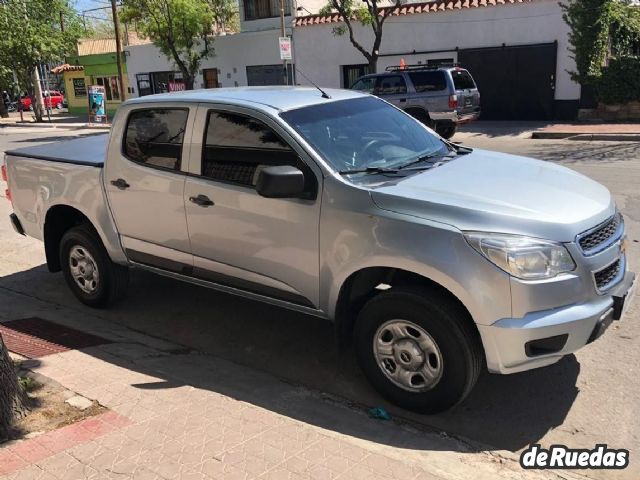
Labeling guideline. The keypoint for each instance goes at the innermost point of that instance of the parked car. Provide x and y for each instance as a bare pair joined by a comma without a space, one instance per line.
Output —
442,97
51,99
26,102
433,258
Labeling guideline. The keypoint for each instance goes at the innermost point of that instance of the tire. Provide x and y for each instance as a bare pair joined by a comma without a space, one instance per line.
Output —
446,131
457,355
81,249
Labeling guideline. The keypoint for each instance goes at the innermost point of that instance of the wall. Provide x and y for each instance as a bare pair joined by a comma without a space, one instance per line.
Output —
232,54
320,54
99,65
76,104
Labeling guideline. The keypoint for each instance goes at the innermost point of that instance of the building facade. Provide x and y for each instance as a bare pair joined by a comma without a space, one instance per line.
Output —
517,51
251,57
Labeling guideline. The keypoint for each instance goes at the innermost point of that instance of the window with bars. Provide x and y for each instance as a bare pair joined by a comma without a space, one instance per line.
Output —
257,9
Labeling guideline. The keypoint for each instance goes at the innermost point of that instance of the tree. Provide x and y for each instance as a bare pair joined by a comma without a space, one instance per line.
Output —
370,13
225,14
179,28
31,33
13,400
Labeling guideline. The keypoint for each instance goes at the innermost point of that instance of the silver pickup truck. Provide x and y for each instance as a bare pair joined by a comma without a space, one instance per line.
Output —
432,258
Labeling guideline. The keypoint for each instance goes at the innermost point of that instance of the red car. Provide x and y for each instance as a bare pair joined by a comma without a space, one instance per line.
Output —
52,99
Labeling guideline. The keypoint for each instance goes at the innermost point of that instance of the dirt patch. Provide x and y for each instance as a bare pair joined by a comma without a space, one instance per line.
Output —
48,409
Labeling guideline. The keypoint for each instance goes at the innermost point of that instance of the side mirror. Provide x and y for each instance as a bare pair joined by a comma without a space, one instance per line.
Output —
280,182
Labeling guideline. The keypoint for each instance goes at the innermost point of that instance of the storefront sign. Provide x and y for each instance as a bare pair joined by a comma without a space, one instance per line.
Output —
176,86
79,87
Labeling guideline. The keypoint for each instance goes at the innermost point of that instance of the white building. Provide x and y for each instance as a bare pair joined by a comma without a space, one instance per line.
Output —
251,57
517,50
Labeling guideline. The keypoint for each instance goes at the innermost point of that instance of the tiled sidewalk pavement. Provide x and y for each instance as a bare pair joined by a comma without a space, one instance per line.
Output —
192,416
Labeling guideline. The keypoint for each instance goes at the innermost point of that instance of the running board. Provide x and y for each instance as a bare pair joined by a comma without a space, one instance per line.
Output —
232,290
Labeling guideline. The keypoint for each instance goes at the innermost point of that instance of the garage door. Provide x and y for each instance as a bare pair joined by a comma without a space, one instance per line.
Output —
258,75
515,83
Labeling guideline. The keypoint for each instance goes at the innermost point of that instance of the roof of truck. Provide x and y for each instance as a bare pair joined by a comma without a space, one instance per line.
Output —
278,97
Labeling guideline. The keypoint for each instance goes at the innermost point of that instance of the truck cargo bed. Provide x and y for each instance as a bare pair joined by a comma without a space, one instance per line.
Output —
90,151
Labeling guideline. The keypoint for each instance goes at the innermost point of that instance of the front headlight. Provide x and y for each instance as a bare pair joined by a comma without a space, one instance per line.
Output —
523,257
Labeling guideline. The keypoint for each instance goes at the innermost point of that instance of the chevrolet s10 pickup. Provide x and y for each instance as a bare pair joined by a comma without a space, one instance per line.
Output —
433,259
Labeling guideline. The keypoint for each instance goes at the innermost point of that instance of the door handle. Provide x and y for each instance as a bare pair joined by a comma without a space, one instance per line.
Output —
120,183
402,100
201,200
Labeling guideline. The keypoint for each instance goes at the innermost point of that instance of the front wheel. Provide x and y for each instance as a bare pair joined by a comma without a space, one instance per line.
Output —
91,275
418,348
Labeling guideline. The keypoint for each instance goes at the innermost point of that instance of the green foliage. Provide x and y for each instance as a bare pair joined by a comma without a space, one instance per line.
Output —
225,14
179,28
600,28
367,13
620,81
30,33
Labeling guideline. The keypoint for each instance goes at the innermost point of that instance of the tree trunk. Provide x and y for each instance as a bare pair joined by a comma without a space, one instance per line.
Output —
37,104
13,400
373,64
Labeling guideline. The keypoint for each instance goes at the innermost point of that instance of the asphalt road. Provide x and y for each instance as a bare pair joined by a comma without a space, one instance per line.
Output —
588,398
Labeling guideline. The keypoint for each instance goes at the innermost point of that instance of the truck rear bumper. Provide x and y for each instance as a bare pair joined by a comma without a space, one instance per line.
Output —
542,338
15,223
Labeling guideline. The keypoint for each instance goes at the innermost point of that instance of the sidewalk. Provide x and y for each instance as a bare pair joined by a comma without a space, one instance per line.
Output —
58,120
590,131
551,131
178,414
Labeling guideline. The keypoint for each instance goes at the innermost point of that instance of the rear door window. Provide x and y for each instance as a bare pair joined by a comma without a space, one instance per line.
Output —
390,85
365,84
428,81
462,80
154,137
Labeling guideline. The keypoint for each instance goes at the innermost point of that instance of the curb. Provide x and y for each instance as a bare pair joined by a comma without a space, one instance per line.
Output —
68,126
611,137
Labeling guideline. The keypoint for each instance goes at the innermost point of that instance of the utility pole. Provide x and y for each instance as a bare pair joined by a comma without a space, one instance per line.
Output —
116,27
283,34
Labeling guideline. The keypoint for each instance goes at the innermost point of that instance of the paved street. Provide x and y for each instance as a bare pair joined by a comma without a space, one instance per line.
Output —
297,371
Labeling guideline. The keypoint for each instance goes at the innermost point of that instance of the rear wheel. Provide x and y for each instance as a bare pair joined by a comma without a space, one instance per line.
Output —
91,275
418,349
446,130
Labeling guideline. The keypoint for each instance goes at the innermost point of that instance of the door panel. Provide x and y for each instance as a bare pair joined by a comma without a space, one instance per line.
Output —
146,196
265,245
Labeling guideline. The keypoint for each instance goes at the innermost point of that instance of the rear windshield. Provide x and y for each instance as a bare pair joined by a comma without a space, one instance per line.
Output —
462,80
428,81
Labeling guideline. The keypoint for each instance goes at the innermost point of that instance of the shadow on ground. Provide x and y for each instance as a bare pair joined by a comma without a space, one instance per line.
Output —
503,412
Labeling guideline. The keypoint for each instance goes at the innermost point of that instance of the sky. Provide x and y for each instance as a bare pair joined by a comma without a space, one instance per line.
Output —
89,4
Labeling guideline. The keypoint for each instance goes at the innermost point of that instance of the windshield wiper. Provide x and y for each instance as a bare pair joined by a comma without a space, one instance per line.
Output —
369,170
421,159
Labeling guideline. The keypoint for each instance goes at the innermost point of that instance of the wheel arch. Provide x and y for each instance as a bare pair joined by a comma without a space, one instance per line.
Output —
367,282
58,220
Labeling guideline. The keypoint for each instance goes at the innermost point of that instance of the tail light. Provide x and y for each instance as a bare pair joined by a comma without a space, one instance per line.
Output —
5,177
453,102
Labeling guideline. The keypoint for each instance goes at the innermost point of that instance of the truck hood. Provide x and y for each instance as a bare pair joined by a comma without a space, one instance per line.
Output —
497,192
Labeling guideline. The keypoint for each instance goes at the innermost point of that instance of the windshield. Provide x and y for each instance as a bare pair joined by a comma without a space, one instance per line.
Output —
364,133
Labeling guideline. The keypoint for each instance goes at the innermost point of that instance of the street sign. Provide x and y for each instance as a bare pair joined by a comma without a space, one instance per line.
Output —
285,48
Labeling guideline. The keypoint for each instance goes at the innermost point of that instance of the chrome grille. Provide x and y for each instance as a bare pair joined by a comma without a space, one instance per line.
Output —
608,275
600,237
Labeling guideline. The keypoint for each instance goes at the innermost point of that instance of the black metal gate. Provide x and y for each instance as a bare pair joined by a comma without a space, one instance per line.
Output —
515,82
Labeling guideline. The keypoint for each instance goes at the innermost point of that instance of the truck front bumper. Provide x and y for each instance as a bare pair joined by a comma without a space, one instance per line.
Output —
542,338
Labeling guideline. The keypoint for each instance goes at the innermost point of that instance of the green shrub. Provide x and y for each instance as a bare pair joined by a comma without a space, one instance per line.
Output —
620,81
